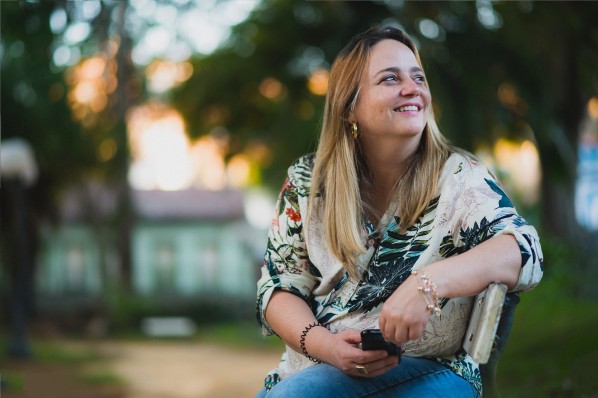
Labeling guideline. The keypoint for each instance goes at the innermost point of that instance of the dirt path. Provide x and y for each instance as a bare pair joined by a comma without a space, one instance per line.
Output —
185,370
42,380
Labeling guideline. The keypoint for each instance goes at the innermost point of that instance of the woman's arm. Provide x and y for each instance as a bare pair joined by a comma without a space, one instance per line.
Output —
404,315
496,260
289,315
495,243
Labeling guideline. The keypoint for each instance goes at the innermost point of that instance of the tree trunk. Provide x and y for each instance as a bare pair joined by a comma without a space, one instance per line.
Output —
125,210
22,276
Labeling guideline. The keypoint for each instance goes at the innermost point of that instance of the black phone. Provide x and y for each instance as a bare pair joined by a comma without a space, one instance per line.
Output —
372,339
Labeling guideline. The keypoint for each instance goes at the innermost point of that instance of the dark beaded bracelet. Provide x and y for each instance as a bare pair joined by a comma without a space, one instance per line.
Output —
302,341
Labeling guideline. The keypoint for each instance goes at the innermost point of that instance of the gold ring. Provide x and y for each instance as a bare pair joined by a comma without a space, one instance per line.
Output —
362,369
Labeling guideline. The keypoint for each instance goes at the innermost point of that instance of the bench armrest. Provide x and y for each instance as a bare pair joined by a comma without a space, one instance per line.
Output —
483,322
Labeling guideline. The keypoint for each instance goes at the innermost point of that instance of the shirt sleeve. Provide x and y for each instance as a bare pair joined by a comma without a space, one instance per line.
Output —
483,210
286,263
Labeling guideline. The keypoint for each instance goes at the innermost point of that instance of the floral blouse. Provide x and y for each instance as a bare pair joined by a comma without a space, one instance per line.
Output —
470,208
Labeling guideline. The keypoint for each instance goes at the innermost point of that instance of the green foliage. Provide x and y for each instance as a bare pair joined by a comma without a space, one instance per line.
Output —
467,65
281,40
125,311
101,377
527,77
85,360
56,353
552,350
552,347
12,381
543,54
242,335
34,95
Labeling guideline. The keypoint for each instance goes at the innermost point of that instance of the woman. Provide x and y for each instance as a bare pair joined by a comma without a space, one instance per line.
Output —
387,227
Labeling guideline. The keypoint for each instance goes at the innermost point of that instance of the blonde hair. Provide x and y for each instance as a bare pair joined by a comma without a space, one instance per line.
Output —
340,166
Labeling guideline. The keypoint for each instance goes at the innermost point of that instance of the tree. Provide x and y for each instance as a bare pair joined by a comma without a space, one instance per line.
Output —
257,86
75,142
24,93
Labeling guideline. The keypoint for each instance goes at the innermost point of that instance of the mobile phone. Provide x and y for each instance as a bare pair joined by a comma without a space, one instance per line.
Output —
372,339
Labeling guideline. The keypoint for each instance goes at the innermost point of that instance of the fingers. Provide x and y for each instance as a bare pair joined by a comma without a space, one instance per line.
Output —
370,356
347,355
383,365
375,368
404,314
401,335
403,327
359,363
351,336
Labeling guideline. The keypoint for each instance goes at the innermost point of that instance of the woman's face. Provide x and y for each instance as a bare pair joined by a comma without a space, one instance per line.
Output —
393,98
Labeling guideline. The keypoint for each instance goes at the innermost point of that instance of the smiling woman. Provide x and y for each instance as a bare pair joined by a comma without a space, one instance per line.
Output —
386,227
394,98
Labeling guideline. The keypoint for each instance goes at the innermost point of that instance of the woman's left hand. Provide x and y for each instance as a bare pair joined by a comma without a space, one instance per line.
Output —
404,314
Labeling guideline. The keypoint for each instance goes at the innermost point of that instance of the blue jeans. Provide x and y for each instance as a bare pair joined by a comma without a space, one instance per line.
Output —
413,377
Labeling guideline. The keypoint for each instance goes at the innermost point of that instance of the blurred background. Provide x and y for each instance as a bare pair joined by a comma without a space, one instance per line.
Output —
143,144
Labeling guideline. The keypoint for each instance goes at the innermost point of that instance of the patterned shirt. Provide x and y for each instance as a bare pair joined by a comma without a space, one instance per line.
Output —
470,208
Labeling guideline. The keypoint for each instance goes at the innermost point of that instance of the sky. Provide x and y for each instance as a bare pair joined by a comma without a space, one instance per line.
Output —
201,27
172,31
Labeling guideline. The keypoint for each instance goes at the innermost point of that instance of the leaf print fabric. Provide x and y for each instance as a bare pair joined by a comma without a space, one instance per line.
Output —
469,209
393,261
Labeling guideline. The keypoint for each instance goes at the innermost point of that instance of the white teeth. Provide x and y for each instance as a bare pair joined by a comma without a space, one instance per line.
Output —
408,108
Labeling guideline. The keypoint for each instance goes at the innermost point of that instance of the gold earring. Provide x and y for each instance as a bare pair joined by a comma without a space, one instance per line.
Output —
355,131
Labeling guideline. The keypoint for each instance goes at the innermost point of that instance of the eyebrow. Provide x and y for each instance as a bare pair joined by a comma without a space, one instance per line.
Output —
396,70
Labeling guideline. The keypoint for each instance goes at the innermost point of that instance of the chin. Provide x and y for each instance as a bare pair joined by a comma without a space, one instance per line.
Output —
412,132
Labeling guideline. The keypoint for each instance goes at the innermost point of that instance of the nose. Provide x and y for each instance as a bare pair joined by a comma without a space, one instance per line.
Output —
410,89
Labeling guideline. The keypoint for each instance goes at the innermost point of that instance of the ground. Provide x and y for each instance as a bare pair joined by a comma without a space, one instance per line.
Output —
166,370
146,370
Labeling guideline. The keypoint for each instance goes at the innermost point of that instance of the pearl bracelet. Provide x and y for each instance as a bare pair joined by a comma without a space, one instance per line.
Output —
428,291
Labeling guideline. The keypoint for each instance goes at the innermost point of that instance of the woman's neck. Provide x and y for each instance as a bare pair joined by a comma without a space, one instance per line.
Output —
387,157
387,160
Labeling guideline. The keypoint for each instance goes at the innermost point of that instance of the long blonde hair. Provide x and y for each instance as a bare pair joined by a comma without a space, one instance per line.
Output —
340,166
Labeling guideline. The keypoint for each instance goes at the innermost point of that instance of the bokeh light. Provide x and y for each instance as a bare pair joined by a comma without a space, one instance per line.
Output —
318,82
518,165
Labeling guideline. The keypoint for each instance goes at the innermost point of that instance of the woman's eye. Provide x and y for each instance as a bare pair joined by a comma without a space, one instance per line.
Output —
389,78
420,78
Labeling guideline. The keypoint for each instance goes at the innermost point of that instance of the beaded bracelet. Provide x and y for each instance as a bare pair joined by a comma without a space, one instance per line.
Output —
302,341
428,291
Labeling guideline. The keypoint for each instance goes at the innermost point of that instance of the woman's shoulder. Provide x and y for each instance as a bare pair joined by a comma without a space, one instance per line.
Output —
300,171
464,166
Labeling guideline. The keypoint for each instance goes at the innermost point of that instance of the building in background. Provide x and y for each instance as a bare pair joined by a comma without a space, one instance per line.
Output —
187,246
192,242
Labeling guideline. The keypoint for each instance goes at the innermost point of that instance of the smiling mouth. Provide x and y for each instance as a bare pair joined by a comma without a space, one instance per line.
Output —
408,108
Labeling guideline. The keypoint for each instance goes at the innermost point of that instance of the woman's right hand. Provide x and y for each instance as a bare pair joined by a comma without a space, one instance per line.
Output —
289,315
342,351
